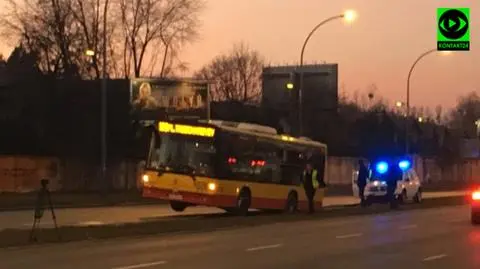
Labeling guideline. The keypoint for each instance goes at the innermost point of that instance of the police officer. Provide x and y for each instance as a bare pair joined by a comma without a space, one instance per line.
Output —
362,180
394,176
310,184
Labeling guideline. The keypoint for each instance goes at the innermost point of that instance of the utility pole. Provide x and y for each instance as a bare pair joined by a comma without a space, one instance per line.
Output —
103,117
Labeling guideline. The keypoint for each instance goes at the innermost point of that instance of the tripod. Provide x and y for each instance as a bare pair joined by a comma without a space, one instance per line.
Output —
43,196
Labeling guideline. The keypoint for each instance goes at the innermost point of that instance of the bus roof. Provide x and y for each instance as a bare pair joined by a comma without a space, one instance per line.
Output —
264,132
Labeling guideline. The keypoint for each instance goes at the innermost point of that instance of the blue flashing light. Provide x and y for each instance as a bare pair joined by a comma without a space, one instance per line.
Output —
404,165
381,167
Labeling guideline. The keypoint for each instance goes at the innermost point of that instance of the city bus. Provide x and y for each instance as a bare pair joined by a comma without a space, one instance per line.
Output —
233,166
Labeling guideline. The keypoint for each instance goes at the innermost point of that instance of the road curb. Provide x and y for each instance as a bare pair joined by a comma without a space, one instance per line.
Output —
26,208
16,237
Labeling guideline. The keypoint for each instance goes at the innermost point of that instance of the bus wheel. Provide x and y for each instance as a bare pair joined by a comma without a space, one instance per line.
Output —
178,206
292,203
243,202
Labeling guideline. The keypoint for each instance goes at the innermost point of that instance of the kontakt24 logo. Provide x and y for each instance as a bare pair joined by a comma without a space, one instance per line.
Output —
453,29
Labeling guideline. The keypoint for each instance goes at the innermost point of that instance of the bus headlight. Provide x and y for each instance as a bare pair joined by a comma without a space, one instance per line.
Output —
145,178
212,186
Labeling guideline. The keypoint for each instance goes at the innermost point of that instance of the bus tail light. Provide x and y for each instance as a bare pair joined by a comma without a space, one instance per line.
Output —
257,163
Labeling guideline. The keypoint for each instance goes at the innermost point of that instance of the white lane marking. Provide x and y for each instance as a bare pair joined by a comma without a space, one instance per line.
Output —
264,247
141,265
435,257
407,227
348,236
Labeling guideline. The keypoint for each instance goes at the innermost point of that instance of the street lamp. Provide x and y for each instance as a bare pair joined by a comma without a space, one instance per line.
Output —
348,16
398,104
420,119
90,53
407,131
289,86
103,106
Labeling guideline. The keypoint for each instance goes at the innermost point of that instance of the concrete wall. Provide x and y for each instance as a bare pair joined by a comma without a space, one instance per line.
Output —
340,170
23,173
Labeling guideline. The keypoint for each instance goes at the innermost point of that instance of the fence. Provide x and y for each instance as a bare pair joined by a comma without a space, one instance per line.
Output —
340,169
23,173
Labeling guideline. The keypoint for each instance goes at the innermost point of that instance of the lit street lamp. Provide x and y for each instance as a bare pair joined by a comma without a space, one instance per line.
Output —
407,131
420,119
349,16
290,86
90,53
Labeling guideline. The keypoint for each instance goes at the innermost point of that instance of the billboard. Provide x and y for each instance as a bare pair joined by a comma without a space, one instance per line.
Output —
319,93
153,97
320,86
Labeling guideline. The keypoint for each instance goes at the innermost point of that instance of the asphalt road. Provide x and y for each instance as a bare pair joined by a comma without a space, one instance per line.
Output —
128,214
441,238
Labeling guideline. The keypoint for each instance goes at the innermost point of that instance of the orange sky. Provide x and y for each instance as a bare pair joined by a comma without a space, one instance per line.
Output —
378,48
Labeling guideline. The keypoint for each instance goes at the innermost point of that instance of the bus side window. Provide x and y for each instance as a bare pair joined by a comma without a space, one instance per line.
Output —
294,157
291,174
243,152
270,170
292,167
225,152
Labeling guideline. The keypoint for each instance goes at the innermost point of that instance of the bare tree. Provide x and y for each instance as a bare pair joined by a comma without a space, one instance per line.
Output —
45,27
236,75
3,65
439,114
428,114
61,31
88,14
149,23
465,114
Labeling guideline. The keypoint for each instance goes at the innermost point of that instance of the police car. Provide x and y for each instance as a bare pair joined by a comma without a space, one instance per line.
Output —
408,188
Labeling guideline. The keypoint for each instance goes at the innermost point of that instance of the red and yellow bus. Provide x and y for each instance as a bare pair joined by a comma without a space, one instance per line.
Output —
234,166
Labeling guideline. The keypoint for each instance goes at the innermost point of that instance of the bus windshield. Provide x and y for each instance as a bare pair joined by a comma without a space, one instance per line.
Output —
183,154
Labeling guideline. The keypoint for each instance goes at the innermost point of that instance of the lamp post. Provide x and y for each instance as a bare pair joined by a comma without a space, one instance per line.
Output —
407,127
103,122
348,16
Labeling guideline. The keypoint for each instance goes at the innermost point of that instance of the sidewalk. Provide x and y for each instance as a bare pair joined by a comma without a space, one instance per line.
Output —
22,201
25,201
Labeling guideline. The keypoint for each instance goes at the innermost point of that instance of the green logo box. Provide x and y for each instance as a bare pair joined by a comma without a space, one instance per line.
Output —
453,29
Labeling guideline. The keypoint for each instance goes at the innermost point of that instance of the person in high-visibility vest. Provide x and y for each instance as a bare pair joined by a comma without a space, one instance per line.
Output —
310,184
